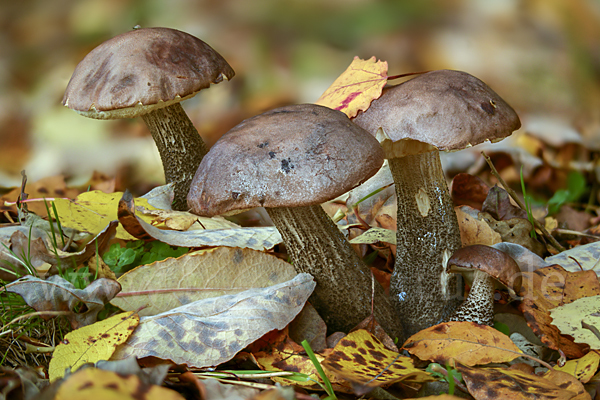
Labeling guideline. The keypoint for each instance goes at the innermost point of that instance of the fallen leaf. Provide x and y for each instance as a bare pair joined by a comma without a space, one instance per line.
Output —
465,342
550,287
58,294
375,235
50,187
276,351
503,383
211,331
570,318
164,285
363,360
91,343
259,238
473,230
581,258
94,383
470,190
583,368
568,382
355,88
498,205
20,244
92,211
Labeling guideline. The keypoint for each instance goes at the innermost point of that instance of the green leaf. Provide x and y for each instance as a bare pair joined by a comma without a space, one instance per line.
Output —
576,187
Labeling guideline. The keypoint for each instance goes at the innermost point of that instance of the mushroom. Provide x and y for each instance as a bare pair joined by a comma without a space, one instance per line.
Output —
290,160
445,110
147,72
488,269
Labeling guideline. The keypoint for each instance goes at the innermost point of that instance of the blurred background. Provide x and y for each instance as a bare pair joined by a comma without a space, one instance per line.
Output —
542,56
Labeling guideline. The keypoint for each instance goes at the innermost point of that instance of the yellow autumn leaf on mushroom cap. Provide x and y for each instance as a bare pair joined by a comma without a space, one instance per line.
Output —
91,343
356,87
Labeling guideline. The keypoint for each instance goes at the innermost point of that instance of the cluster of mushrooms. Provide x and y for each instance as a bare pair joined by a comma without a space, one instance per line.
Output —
294,158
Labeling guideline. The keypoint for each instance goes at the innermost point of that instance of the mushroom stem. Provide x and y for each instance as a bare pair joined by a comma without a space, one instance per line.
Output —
343,293
180,146
427,235
479,305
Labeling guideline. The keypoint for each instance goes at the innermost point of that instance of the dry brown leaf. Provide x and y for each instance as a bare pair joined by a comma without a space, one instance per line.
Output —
468,190
503,383
211,331
474,230
547,288
167,284
465,342
50,187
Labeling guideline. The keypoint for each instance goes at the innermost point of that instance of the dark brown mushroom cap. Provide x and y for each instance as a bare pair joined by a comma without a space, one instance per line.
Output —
450,110
495,263
141,70
292,156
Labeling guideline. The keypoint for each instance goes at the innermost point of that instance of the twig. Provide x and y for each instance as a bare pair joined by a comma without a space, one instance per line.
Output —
591,328
512,194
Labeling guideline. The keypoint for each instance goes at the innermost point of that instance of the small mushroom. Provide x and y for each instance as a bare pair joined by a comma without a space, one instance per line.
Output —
290,160
439,110
486,268
147,72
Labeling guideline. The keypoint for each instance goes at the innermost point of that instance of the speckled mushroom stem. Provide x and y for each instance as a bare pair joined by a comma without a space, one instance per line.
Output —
343,292
427,236
180,146
479,305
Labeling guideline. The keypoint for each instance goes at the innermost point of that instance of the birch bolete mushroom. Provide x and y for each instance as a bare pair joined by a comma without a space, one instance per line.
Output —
439,110
486,269
147,72
290,160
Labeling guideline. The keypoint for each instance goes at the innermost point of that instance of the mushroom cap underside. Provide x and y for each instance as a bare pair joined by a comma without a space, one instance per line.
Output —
292,156
141,70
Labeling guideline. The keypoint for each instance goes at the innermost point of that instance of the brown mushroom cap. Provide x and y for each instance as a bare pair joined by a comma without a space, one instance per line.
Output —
450,110
142,70
292,156
493,262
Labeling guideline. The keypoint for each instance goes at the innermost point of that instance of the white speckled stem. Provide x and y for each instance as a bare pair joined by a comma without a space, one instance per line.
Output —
479,305
180,146
427,235
343,292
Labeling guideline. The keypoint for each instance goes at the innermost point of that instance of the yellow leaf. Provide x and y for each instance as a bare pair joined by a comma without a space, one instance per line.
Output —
375,235
361,358
354,90
583,368
91,343
92,211
94,383
466,342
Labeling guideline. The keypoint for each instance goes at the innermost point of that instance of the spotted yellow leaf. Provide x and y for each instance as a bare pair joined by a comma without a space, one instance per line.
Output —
361,358
91,343
93,383
356,87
